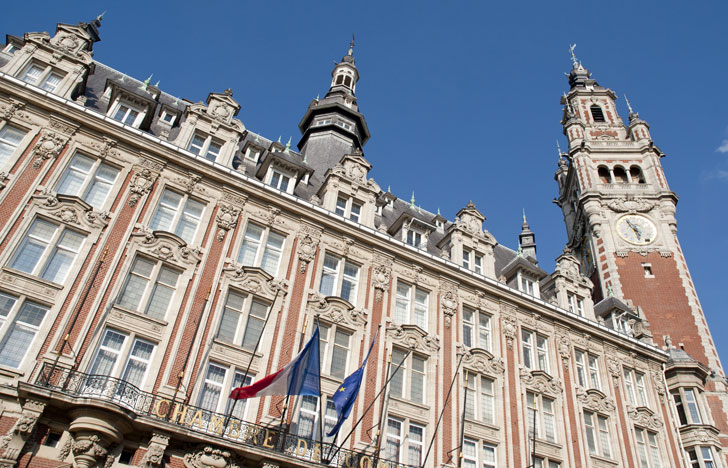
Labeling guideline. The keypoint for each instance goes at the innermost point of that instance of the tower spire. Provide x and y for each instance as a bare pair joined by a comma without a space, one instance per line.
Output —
351,46
527,239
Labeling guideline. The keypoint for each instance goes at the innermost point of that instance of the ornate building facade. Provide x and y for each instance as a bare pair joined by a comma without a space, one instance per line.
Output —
155,253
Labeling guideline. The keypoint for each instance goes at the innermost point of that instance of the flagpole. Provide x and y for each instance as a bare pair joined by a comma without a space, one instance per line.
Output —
252,356
338,449
462,421
321,402
288,397
442,413
385,401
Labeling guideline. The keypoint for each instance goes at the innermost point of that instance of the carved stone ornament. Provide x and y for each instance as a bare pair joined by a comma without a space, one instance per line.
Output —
658,379
645,417
141,183
381,274
412,336
167,246
308,241
48,146
190,183
7,111
509,325
4,176
448,300
564,344
594,400
226,218
105,147
14,441
65,450
483,362
154,456
541,382
629,204
88,451
255,280
71,210
210,457
337,311
614,368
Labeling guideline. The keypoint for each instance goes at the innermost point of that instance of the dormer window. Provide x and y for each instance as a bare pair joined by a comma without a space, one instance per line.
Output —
323,122
597,113
343,125
472,261
11,49
127,113
168,117
43,77
205,146
252,154
280,181
414,238
348,208
527,285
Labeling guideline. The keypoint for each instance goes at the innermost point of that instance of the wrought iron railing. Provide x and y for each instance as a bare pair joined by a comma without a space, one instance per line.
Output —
148,405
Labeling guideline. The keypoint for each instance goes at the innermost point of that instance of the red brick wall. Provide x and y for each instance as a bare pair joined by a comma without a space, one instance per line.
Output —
663,299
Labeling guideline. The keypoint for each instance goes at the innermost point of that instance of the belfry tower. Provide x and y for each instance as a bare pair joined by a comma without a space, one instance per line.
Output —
620,219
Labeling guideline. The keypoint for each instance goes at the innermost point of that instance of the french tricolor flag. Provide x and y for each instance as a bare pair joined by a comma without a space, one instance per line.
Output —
298,377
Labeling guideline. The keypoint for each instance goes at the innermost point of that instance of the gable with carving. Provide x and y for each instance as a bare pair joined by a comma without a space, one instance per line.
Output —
412,336
337,311
167,247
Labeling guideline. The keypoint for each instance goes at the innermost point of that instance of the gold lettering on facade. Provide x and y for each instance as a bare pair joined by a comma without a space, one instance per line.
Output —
157,408
177,415
317,452
365,461
268,440
234,431
301,447
217,424
197,419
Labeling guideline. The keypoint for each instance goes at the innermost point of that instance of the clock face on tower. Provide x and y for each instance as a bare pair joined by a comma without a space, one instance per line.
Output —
636,229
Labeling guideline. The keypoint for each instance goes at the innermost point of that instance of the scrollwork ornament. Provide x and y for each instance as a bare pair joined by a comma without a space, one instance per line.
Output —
448,301
564,344
8,111
141,183
509,325
209,457
614,368
48,146
227,219
308,241
381,273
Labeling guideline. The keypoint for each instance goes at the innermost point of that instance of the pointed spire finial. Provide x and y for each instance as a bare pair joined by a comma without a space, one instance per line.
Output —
573,55
279,138
629,106
288,145
524,215
438,211
101,16
351,45
389,189
558,149
156,85
145,83
412,200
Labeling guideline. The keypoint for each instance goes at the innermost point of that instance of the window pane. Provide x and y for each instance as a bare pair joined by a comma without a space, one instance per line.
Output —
230,317
107,353
420,312
166,210
254,327
34,245
136,284
272,253
19,338
101,186
416,436
136,366
251,243
6,304
189,220
212,387
10,137
63,256
75,174
397,383
401,308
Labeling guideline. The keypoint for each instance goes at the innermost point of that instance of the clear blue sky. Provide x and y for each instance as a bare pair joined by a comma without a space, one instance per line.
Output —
462,98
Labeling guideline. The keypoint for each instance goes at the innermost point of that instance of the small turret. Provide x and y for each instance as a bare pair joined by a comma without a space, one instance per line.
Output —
527,240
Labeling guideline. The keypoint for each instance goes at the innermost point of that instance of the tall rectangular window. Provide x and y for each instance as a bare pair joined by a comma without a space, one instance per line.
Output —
686,403
178,214
542,409
702,457
237,328
587,369
43,77
476,329
597,434
481,399
472,261
149,288
217,385
409,381
48,250
634,383
648,450
535,351
306,426
408,310
340,278
414,238
120,356
404,442
335,345
262,248
281,181
10,138
348,208
88,179
19,335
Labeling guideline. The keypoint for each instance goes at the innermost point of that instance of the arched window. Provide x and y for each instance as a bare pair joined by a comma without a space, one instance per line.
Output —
636,173
339,79
620,175
604,175
347,81
597,113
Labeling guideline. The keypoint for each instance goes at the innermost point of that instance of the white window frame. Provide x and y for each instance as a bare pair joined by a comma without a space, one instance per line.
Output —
528,285
544,419
238,320
409,307
11,48
181,214
120,101
173,117
340,277
331,344
576,304
598,437
233,377
53,246
264,247
481,398
477,329
345,207
541,462
414,238
413,368
404,441
12,306
473,261
476,454
10,145
587,369
204,150
46,72
635,387
702,456
90,178
535,349
253,154
152,283
687,403
313,414
282,176
648,448
123,355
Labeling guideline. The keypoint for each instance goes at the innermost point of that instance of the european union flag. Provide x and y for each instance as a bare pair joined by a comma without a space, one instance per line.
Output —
346,394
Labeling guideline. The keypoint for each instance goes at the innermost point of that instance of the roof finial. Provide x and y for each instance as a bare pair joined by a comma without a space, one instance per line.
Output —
101,16
288,145
412,200
558,149
389,189
145,83
351,45
438,211
629,106
573,55
524,215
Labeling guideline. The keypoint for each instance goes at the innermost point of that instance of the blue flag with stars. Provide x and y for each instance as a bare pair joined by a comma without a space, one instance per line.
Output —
346,394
